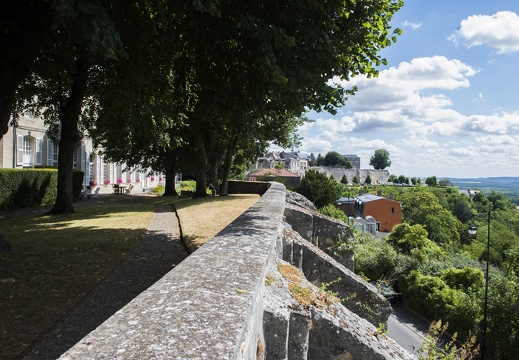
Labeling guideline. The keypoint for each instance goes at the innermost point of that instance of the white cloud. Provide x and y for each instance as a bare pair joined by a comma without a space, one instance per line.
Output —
499,124
499,31
414,26
406,96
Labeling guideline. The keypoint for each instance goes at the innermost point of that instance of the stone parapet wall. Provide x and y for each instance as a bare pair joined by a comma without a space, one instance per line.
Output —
228,300
377,176
209,307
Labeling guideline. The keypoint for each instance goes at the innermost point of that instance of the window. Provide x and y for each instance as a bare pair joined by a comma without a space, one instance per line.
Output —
27,159
392,210
19,149
52,153
25,146
39,145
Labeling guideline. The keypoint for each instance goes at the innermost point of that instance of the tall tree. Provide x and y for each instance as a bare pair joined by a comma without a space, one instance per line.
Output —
380,160
143,103
25,28
318,188
59,86
333,158
266,58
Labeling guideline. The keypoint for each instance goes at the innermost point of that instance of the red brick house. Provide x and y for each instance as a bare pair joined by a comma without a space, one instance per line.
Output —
386,212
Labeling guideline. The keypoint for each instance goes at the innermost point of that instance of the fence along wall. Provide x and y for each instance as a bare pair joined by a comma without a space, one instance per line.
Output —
209,306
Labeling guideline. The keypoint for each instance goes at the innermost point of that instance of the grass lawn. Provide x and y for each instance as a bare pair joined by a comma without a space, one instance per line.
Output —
56,260
203,218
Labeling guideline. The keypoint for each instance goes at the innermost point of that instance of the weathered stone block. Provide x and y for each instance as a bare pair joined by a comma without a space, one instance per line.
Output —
301,221
298,339
357,295
338,334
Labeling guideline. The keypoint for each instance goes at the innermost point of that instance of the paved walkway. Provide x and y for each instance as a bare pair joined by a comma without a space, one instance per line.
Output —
160,250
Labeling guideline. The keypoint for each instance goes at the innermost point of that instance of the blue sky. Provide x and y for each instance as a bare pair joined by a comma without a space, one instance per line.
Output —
447,104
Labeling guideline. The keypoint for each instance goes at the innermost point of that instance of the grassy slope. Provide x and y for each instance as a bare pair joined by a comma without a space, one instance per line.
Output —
57,259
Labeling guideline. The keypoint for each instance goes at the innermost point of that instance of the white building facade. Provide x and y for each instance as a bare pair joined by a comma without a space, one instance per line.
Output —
28,146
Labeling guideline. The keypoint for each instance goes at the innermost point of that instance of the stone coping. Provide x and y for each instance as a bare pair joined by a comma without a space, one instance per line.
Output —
209,307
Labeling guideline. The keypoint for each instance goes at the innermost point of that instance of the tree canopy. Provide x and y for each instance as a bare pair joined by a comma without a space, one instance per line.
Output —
157,80
319,188
333,158
380,159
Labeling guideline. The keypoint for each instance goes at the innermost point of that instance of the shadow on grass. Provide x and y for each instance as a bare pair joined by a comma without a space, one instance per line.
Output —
53,265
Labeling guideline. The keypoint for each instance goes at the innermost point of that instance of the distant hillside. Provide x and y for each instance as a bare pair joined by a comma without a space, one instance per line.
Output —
508,186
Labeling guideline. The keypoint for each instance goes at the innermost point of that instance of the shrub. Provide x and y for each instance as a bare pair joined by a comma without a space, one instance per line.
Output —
318,188
31,187
463,279
334,212
375,258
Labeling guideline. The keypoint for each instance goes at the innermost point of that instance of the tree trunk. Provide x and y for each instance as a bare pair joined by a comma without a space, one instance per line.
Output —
213,164
201,166
231,146
25,29
68,139
170,177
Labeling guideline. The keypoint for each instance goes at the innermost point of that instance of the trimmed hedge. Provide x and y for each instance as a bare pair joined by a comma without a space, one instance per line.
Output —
32,187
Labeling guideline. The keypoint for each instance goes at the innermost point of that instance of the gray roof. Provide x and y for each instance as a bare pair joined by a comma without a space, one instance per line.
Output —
369,197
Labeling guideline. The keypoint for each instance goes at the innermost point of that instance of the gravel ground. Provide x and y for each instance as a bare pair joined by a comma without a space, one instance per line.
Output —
160,250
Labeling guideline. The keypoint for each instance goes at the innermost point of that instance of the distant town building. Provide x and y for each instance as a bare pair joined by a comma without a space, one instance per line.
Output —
293,161
354,160
386,212
347,205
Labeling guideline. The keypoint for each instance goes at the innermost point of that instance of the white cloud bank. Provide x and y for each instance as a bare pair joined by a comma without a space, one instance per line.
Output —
499,31
407,110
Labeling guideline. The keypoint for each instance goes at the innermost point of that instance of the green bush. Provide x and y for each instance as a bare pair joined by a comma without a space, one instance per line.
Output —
318,188
412,240
333,211
32,187
463,279
375,258
435,300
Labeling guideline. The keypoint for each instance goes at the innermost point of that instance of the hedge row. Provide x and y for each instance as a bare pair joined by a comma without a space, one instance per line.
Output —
32,187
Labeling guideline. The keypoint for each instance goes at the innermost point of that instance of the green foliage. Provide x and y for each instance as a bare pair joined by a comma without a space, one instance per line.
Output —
29,187
451,286
188,185
32,187
159,190
435,300
431,181
344,180
466,279
368,180
333,158
355,180
375,258
434,347
318,188
380,159
503,317
420,206
460,207
332,210
412,240
319,161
